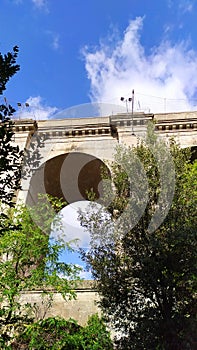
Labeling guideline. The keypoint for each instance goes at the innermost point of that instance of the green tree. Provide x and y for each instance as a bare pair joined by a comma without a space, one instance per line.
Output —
57,333
146,273
10,155
30,260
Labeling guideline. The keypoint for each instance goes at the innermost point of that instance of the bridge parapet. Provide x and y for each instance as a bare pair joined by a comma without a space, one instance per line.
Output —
180,126
121,127
77,127
176,121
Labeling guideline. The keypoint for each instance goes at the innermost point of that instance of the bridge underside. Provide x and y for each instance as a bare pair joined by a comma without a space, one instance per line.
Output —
71,177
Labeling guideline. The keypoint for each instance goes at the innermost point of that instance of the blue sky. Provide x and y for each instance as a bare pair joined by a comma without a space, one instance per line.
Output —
75,52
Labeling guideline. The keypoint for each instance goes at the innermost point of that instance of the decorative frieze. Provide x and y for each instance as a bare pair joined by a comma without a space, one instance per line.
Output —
25,126
178,126
108,126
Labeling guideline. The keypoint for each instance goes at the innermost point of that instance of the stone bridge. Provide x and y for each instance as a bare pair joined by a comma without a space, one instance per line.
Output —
72,151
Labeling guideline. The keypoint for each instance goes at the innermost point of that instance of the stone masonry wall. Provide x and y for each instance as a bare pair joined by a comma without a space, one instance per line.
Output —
79,309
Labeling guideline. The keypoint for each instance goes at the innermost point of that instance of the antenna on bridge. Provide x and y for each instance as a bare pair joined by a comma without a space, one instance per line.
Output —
133,93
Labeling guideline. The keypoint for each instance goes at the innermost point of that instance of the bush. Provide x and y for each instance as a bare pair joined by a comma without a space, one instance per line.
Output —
56,333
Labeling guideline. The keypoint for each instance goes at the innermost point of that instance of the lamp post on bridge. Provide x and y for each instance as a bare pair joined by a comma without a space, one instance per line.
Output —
126,100
22,105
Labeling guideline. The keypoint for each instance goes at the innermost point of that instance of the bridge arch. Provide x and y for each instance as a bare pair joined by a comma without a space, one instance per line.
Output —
69,176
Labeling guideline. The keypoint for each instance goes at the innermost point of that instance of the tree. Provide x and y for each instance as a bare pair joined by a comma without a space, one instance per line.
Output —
10,155
29,260
143,258
57,333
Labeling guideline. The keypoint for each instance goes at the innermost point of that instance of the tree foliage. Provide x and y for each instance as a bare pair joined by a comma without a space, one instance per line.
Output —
10,155
147,278
30,261
57,333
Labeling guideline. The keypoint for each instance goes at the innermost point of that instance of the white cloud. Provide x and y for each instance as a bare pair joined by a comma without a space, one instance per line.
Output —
169,3
55,42
83,274
183,6
41,4
168,28
34,108
164,80
54,39
186,6
71,228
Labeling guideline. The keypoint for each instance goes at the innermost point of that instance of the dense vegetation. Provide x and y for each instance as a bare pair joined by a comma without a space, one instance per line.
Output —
56,333
144,257
10,156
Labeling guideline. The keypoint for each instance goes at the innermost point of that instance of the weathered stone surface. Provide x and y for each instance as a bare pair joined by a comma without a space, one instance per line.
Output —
79,309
